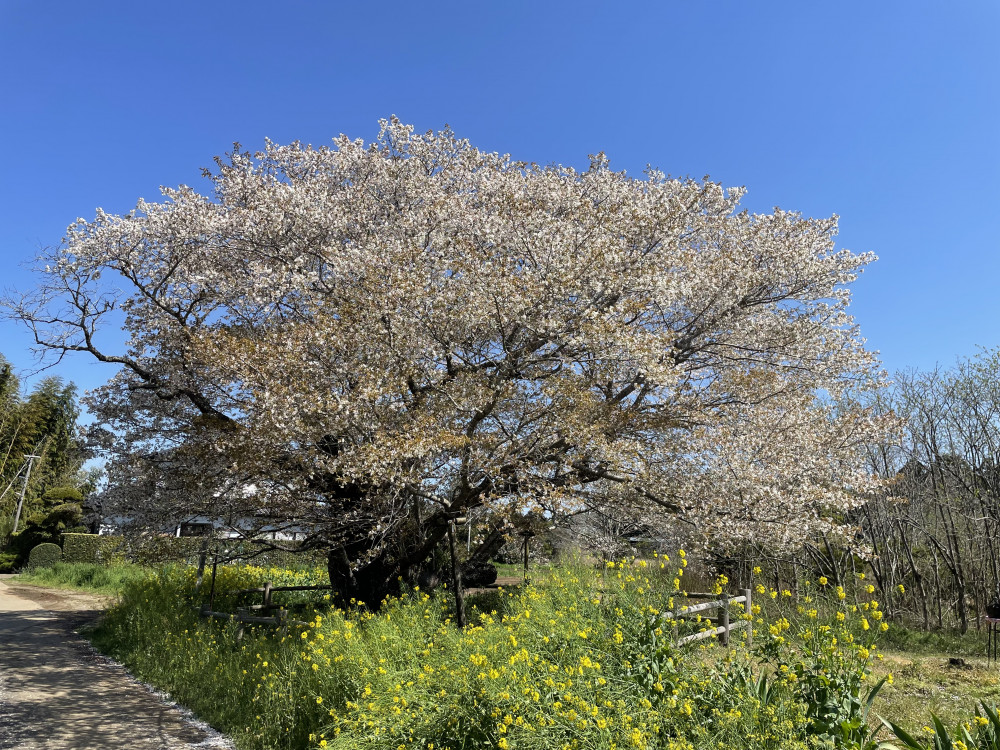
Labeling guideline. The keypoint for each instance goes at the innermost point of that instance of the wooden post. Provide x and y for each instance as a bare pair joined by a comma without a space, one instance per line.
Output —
241,614
202,558
267,597
676,613
526,537
211,595
456,577
725,619
748,607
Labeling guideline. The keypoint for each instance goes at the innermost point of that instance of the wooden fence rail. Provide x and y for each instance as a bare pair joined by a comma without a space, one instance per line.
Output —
280,618
242,614
268,590
722,631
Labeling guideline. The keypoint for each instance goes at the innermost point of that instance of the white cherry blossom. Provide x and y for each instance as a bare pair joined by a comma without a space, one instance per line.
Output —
378,337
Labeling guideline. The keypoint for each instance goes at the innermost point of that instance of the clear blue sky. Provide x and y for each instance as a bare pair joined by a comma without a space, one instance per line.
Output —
886,113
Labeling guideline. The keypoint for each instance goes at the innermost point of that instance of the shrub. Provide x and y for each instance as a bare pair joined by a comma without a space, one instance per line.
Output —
44,556
161,550
90,548
8,562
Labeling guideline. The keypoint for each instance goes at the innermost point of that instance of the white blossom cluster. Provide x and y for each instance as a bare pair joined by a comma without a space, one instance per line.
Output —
419,321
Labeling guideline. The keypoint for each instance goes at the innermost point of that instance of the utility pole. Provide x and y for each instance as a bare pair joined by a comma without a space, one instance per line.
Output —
24,488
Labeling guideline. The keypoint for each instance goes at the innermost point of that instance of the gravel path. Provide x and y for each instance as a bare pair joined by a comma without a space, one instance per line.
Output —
56,693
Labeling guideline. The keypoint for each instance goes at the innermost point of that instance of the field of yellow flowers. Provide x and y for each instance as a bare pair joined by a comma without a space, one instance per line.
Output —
580,658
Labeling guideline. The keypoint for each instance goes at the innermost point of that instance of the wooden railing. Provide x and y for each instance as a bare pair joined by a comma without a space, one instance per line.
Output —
680,612
726,626
243,614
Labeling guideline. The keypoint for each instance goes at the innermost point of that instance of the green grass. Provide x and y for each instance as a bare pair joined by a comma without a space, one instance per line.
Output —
100,579
948,642
925,682
507,570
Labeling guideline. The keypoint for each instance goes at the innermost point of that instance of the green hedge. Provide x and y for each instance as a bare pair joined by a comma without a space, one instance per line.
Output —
156,550
44,556
252,554
90,548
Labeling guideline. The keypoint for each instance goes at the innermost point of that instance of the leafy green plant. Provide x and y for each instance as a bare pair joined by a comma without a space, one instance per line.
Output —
985,725
44,556
90,548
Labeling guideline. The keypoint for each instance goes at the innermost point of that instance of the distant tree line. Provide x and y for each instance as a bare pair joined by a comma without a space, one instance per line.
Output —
936,530
42,423
929,541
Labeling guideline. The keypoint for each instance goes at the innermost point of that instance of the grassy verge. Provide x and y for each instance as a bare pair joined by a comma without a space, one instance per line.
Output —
923,642
926,684
101,579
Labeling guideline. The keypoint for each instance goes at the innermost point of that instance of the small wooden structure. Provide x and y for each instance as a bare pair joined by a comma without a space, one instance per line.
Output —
992,632
726,625
244,615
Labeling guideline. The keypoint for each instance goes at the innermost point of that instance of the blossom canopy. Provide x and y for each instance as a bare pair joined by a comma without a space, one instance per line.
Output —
379,337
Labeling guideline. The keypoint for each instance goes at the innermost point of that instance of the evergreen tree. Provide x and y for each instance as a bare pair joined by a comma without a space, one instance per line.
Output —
42,424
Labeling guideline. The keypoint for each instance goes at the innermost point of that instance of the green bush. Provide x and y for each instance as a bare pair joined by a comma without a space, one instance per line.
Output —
44,556
90,548
8,562
160,550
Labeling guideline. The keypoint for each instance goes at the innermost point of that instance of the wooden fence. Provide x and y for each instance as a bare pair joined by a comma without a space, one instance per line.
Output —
243,614
726,624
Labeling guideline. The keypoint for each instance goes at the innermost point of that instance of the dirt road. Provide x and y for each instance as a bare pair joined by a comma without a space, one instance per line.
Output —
57,694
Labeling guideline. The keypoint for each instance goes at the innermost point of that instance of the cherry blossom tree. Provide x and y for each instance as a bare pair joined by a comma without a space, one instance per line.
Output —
367,341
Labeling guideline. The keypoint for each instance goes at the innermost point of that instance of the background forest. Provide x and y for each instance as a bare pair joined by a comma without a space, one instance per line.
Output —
930,540
41,423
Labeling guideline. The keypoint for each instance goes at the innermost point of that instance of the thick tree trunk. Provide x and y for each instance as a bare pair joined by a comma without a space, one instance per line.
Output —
369,582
